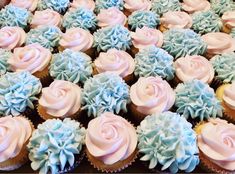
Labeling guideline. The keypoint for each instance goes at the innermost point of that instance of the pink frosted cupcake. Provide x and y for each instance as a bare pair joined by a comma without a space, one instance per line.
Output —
88,4
30,5
136,5
192,6
228,20
12,37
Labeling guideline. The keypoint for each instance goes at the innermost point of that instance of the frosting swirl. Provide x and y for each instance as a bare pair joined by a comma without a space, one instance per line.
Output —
233,33
110,138
4,56
194,67
11,37
30,5
162,6
152,95
222,6
76,39
88,4
105,4
58,5
228,19
192,6
229,96
137,5
216,141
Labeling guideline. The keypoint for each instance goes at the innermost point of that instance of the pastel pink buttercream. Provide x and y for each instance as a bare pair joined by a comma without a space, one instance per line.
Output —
46,17
61,98
11,37
228,19
32,58
217,143
116,61
152,95
218,43
229,96
194,67
30,5
136,5
77,39
144,37
110,138
14,133
192,6
88,4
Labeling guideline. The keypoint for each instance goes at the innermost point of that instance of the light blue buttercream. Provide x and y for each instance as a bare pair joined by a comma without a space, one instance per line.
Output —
222,6
4,56
57,5
233,32
105,4
163,6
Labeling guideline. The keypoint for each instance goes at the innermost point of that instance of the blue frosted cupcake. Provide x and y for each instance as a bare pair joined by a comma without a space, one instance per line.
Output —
57,5
71,66
182,42
169,140
139,19
162,6
4,56
81,18
222,6
105,92
154,61
117,37
105,4
56,146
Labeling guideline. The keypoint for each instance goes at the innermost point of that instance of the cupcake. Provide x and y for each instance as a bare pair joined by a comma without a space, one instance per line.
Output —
81,17
144,37
58,5
3,3
206,22
116,61
153,61
104,4
30,5
112,37
139,19
56,146
14,16
162,6
62,99
137,5
228,20
12,37
216,146
182,42
87,4
168,139
111,143
150,95
46,17
111,17
18,92
4,66
222,6
218,43
71,66
15,134
196,100
175,19
105,92
192,6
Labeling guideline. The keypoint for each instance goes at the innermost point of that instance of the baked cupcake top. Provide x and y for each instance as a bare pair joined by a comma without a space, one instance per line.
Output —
15,132
81,17
192,6
14,16
46,17
216,141
180,150
112,37
162,6
57,5
139,19
110,138
152,95
206,22
71,66
104,4
54,145
228,19
196,99
30,5
4,56
88,4
222,6
228,96
105,92
194,67
176,19
11,37
182,42
224,66
115,61
137,5
110,17
17,92
47,36
154,61
144,37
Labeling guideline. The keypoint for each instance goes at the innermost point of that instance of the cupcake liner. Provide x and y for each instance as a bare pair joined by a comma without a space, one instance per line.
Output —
127,13
215,83
133,51
135,113
162,28
228,113
226,29
209,55
44,77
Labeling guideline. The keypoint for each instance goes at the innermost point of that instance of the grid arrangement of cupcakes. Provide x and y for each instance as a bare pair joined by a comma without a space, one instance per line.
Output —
153,80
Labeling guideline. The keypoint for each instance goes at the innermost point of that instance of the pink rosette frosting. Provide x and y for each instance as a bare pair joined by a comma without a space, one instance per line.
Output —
11,37
116,61
228,19
30,5
192,6
144,37
77,39
88,4
110,17
194,67
217,142
32,58
61,98
176,19
46,17
110,138
136,5
152,95
219,43
229,96
14,133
